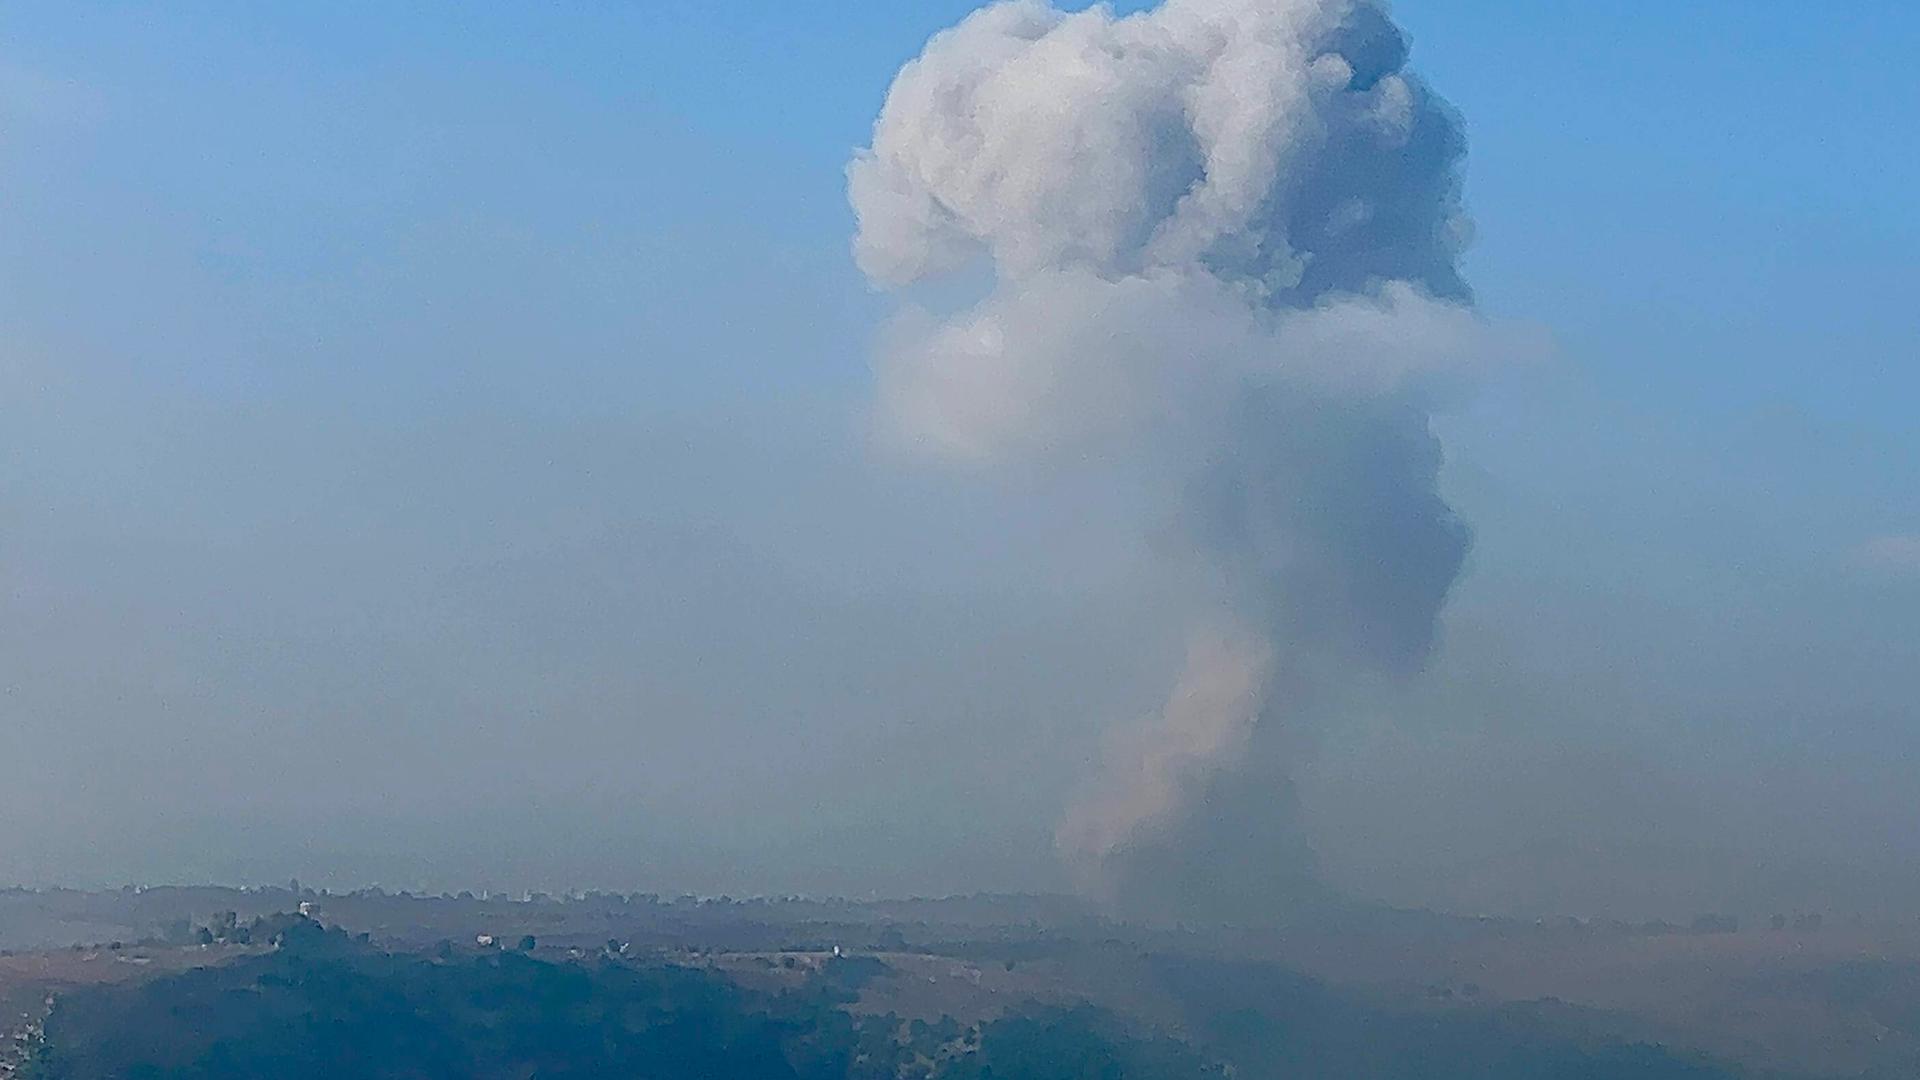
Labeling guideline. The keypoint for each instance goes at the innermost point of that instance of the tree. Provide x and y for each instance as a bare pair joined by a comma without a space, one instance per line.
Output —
527,943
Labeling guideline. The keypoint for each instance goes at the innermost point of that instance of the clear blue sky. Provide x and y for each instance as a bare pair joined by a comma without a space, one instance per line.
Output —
351,353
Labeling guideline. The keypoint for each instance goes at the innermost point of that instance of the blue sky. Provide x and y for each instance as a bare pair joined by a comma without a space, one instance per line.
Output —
1674,174
329,332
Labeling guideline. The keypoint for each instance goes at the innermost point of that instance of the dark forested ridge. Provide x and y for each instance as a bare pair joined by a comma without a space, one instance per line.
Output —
324,1005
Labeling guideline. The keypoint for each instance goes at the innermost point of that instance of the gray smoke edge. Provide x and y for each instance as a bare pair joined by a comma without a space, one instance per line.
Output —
1224,239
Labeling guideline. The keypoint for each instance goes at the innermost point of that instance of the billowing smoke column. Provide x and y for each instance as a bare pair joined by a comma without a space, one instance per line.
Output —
1223,236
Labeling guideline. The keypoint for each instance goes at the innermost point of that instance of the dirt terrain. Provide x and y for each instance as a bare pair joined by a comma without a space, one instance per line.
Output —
30,981
1834,1001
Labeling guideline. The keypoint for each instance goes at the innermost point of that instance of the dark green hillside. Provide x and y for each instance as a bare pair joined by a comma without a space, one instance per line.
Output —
323,1006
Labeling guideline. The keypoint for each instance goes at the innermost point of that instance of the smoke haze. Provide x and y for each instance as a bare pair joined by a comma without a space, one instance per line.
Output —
473,458
1223,238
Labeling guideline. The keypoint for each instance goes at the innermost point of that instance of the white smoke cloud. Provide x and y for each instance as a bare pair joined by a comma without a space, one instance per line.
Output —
1223,236
1274,143
1068,360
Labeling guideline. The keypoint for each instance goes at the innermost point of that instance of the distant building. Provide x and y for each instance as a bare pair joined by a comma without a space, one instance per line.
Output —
485,941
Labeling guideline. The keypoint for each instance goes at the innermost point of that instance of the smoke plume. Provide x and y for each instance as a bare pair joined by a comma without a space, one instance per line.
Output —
1223,238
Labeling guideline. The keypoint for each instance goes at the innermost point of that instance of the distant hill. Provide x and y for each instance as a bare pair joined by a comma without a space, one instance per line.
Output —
322,1005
